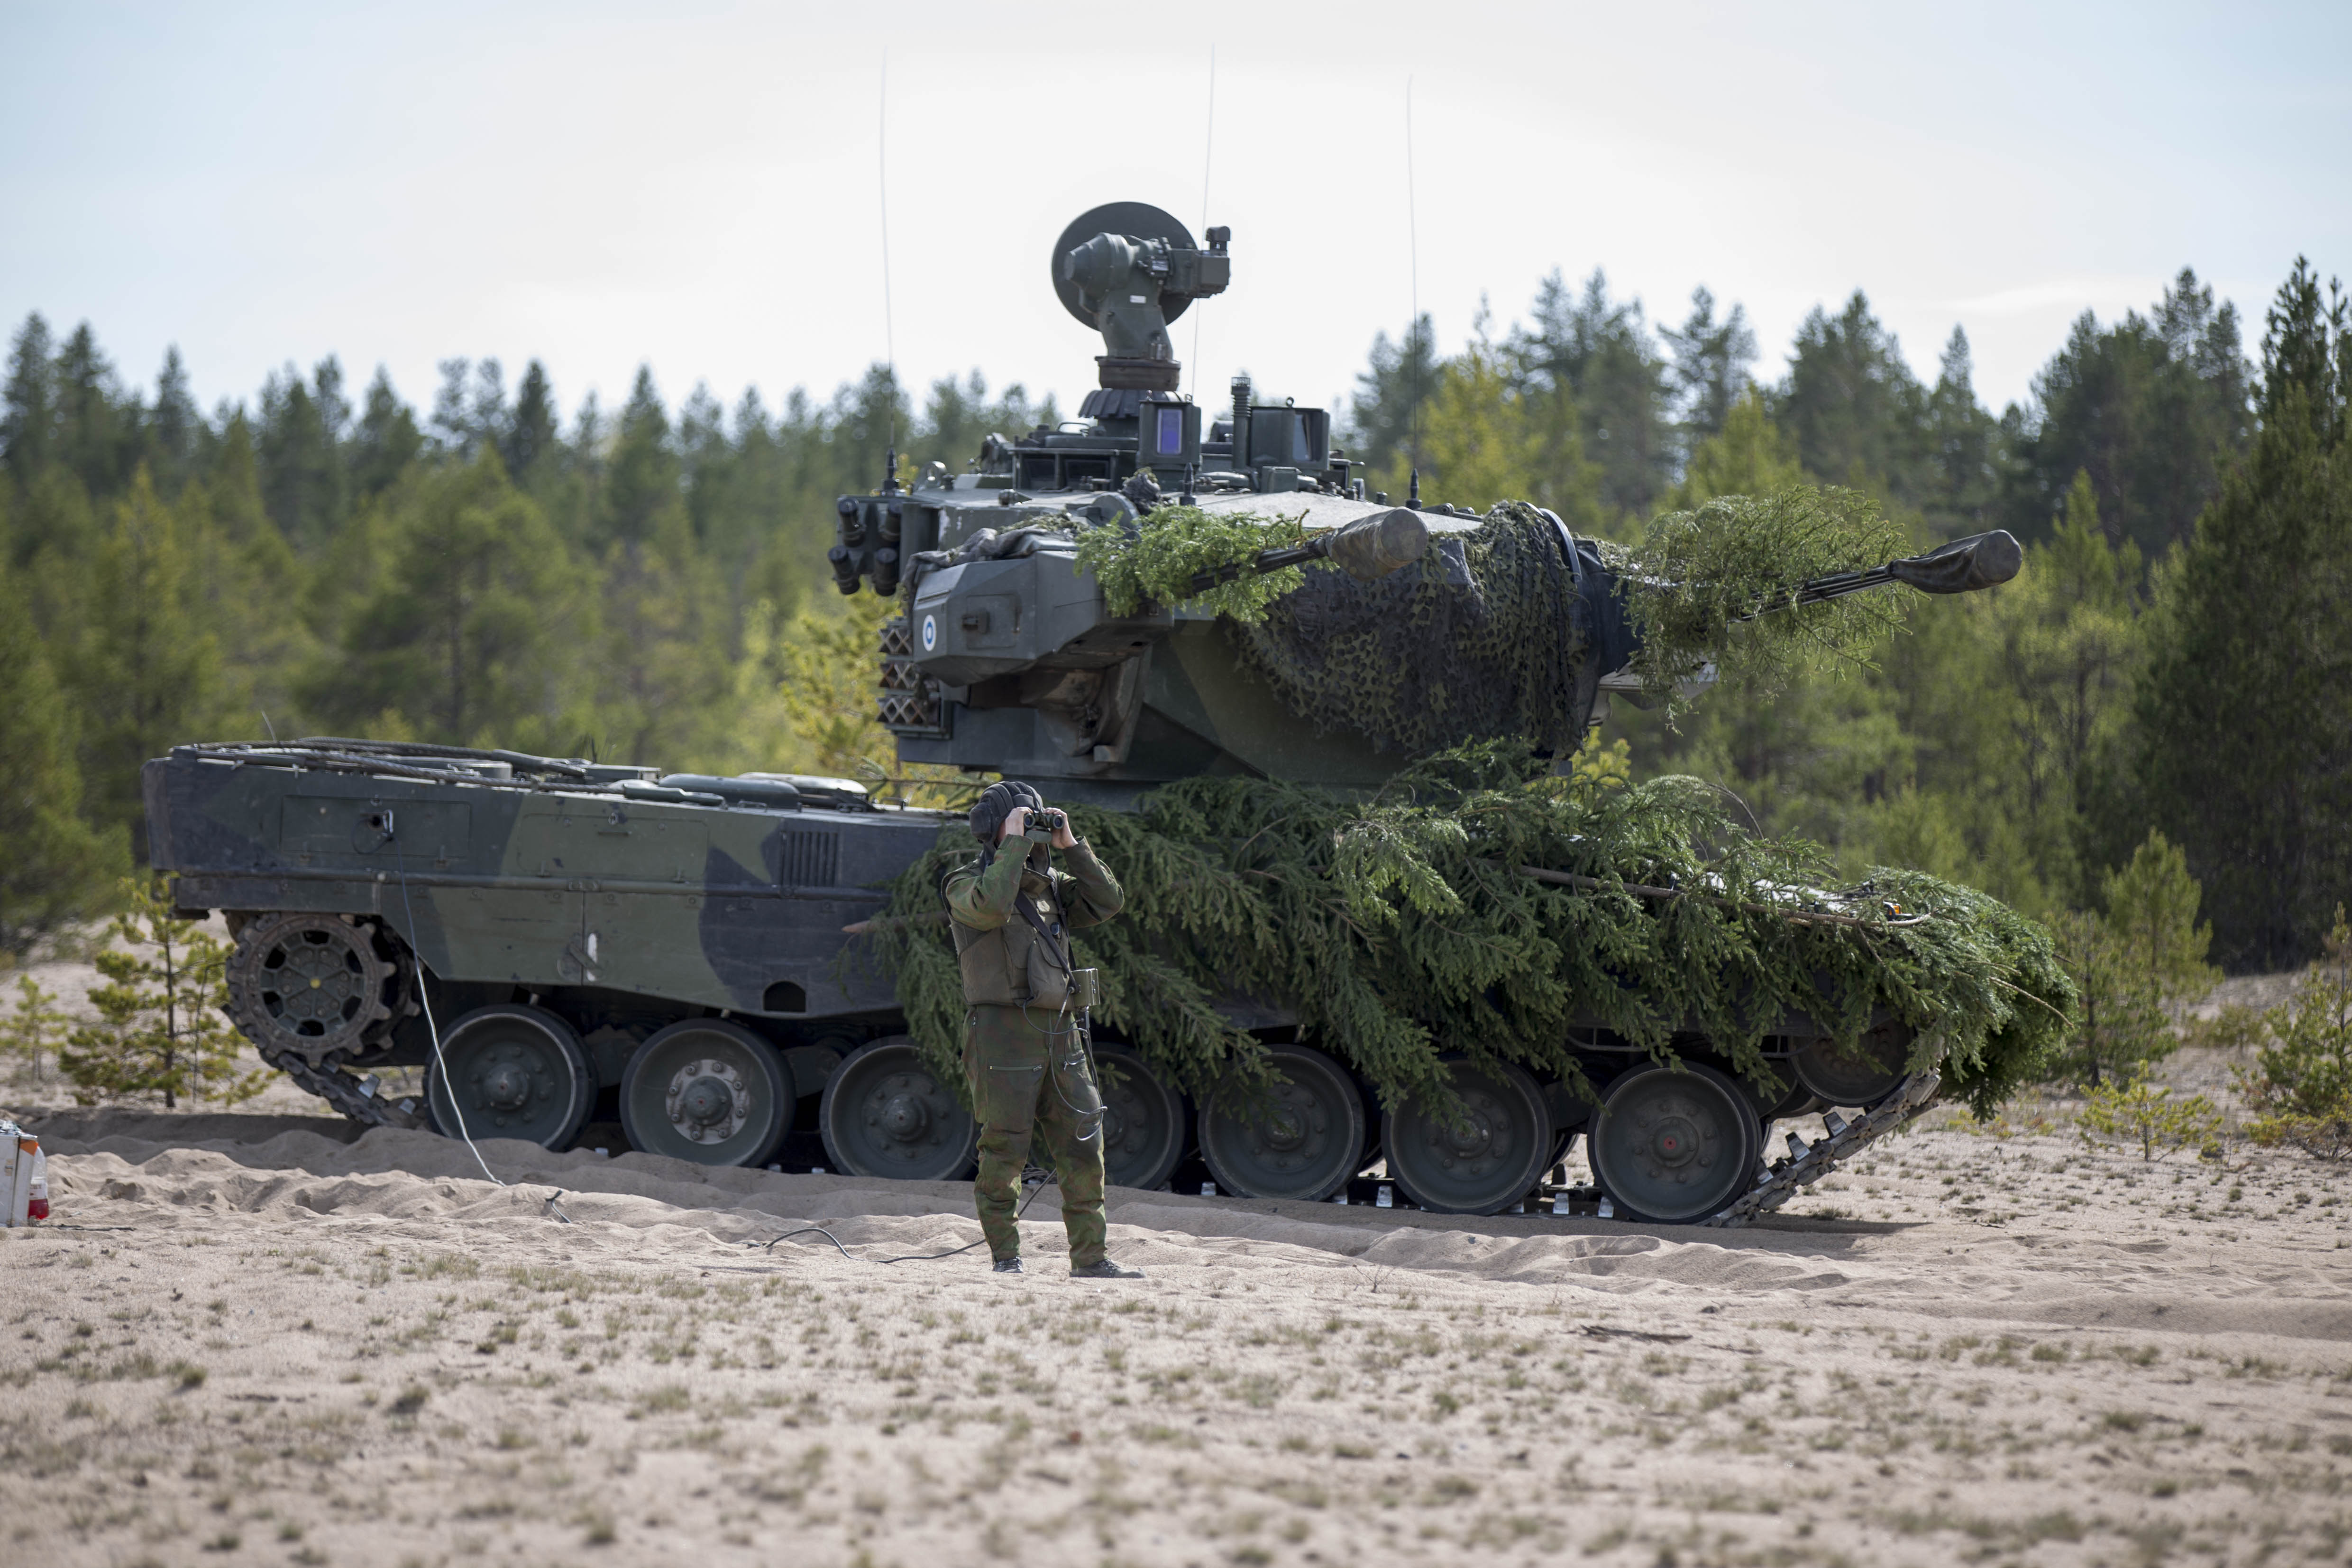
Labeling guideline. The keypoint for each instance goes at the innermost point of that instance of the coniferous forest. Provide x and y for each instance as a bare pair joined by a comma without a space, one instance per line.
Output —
2162,701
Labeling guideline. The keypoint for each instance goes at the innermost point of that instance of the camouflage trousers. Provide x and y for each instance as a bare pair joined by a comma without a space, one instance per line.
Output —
1030,1080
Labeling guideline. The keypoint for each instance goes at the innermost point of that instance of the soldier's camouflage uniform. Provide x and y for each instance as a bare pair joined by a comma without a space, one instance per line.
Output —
1028,1066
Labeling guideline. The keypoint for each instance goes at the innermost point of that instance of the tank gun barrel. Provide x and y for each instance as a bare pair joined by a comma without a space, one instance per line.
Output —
1367,550
1963,566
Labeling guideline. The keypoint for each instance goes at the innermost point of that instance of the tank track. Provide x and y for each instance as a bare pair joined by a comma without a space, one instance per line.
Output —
355,1098
1806,1164
1776,1185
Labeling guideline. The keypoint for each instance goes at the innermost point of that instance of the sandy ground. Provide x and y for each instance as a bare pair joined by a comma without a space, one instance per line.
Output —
275,1344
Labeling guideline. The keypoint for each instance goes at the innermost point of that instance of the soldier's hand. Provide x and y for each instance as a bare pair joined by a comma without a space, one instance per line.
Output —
1016,823
1063,836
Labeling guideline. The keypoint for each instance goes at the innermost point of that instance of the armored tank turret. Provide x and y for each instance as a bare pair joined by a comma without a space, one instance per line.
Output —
563,944
1010,658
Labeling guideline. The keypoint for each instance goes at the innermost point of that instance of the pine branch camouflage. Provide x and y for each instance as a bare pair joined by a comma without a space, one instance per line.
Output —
1399,932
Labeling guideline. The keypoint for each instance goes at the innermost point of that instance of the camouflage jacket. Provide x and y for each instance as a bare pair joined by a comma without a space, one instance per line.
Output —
992,941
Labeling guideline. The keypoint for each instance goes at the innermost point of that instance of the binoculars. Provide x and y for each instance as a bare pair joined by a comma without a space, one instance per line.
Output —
1044,823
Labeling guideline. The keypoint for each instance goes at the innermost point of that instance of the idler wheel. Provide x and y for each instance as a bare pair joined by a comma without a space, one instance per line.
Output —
1482,1164
510,1071
1302,1138
1859,1074
886,1113
709,1090
314,985
1673,1144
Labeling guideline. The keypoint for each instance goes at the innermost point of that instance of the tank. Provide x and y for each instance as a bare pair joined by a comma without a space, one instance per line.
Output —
560,943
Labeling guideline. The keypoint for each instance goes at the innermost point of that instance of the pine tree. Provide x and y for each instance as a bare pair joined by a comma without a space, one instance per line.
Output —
146,675
1476,448
2119,1022
238,561
452,413
300,449
1389,393
2244,716
28,412
2064,642
1964,456
2135,967
34,1026
2152,909
492,420
2306,358
54,868
2153,408
1750,456
162,1025
820,672
472,631
172,425
665,674
1710,366
386,441
96,434
862,417
531,437
1856,413
2301,1088
1601,351
643,476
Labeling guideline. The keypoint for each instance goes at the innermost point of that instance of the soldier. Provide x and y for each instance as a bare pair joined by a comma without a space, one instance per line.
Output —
1025,1052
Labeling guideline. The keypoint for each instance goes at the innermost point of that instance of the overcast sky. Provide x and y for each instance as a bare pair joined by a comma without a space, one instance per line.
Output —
696,187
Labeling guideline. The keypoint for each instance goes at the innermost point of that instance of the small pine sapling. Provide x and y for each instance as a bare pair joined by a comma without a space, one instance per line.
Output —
35,1027
2136,966
2135,1111
162,1026
2301,1085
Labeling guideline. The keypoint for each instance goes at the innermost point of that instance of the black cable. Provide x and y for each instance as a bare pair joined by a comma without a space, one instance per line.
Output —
911,1257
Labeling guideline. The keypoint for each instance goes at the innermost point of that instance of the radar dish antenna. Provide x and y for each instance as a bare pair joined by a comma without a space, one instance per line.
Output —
1138,220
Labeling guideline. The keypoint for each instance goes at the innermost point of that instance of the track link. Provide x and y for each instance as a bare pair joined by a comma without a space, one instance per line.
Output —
354,1096
1808,1163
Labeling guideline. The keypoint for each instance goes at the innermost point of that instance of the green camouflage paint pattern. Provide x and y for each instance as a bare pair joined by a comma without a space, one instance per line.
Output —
671,905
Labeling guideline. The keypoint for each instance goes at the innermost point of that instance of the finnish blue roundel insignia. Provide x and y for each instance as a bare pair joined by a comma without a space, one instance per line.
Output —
931,634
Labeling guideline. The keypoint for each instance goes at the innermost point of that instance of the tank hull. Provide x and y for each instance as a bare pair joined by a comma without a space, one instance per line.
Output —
612,915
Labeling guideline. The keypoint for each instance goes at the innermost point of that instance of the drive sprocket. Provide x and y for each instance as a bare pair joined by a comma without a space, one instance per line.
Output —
313,986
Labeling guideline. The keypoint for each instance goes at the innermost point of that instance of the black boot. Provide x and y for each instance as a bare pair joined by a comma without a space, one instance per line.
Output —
1106,1270
1008,1266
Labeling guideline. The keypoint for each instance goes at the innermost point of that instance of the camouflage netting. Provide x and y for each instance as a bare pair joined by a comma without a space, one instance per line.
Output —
1398,930
1482,637
1487,635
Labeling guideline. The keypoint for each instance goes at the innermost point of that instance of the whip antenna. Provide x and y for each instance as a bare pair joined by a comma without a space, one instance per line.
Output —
1208,155
1413,328
890,331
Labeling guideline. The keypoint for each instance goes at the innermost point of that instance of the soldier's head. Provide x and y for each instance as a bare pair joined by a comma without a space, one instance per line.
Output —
995,806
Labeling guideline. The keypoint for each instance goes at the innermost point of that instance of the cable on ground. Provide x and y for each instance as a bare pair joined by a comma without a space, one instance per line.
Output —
911,1257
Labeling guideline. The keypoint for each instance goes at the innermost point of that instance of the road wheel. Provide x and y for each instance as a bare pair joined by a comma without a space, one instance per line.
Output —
1303,1139
1482,1163
707,1090
512,1072
886,1113
1143,1120
1673,1144
314,985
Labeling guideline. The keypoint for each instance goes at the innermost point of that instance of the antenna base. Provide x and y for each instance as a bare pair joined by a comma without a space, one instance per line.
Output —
1138,375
